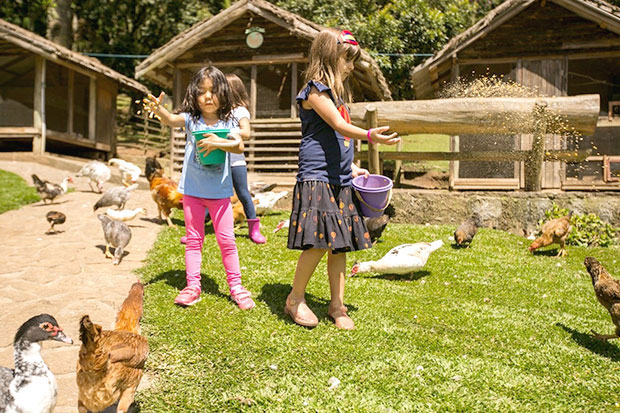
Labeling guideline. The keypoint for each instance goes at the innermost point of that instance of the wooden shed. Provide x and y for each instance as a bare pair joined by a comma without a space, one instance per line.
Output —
560,47
56,100
267,47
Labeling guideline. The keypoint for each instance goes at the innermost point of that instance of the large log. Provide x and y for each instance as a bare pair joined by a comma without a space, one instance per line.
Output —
482,115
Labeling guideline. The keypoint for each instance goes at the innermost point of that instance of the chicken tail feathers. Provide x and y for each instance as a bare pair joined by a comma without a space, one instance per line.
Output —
128,317
37,181
175,196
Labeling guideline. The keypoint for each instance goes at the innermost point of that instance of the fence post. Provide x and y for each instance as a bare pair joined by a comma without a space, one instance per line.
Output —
534,162
374,166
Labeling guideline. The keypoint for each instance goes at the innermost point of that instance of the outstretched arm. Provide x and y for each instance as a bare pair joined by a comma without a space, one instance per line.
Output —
153,104
324,106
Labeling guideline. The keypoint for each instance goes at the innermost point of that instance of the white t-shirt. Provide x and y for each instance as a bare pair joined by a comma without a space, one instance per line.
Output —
238,113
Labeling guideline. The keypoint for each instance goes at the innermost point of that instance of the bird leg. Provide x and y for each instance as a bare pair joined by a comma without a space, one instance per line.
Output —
562,252
603,337
51,230
108,254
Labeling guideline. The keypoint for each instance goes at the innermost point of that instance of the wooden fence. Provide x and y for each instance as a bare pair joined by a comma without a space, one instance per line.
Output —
536,116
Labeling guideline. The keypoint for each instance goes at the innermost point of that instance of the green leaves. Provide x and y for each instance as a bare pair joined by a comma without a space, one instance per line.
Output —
586,230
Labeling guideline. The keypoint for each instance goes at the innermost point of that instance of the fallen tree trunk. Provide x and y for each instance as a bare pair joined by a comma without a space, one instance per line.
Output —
483,115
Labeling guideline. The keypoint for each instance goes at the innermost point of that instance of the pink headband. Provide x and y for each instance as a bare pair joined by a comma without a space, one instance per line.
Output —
347,37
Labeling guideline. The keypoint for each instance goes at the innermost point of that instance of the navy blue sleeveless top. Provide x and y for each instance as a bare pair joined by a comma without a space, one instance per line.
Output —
324,154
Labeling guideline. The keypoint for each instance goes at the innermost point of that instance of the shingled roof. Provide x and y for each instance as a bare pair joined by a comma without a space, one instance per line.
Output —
604,14
367,70
12,35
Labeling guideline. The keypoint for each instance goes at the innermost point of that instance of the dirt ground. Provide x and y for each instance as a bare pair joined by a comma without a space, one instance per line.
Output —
66,274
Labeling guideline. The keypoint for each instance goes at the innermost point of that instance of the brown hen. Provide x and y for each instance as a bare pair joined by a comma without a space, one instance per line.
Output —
607,292
554,232
111,363
163,189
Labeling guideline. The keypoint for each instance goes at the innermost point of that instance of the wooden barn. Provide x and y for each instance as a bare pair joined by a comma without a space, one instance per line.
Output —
559,47
55,100
267,47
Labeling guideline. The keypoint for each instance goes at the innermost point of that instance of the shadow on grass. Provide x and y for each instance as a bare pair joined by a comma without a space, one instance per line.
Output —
274,295
547,253
413,276
176,279
175,221
586,340
456,246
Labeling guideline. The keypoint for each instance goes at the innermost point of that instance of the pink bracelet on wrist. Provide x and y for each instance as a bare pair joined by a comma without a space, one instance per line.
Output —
368,136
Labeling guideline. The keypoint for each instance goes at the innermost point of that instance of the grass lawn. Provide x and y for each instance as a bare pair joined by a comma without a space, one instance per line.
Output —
422,143
15,192
488,328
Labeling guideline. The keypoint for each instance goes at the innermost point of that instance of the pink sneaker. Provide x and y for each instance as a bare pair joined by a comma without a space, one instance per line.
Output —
188,296
242,297
183,240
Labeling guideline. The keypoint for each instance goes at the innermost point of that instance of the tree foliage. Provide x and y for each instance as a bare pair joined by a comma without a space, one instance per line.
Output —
398,33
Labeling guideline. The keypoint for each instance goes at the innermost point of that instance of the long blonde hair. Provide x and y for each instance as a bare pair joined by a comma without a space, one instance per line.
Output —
325,51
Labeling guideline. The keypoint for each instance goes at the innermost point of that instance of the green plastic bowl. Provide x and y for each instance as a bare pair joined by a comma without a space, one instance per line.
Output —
217,156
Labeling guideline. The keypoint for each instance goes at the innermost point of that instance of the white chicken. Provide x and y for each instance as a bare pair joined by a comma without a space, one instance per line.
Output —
267,200
97,172
124,214
129,171
403,259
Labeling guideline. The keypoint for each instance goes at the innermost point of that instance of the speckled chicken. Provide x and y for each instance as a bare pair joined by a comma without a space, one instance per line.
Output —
465,232
117,235
48,190
377,225
554,232
31,386
115,196
111,362
607,292
98,174
55,218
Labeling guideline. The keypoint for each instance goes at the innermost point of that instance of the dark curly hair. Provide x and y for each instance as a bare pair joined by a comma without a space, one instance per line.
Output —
221,89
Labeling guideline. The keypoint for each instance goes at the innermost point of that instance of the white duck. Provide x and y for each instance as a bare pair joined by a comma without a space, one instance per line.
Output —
267,200
124,214
129,171
403,259
31,386
98,172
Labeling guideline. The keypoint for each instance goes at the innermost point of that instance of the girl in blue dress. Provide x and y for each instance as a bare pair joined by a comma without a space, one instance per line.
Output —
325,218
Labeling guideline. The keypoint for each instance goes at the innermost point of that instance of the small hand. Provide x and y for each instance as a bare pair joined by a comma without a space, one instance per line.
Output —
204,145
152,104
357,171
376,134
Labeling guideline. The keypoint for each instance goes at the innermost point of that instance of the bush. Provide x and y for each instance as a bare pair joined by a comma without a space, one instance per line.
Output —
586,230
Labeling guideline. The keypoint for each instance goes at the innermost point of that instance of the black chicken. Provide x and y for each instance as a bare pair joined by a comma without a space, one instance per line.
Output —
377,225
55,218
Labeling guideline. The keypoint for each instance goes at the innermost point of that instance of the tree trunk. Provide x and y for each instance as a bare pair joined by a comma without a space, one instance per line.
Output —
59,20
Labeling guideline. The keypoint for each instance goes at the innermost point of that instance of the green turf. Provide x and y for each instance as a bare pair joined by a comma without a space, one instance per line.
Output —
421,143
488,328
15,192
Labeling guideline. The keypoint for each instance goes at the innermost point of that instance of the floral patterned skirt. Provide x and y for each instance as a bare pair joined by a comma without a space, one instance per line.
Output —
326,216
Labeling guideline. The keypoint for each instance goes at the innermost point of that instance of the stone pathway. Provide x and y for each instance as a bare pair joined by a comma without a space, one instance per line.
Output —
67,274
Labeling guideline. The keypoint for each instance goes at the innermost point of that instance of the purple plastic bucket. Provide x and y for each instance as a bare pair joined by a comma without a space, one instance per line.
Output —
374,194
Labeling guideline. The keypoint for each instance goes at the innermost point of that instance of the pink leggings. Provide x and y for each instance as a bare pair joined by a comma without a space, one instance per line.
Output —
222,217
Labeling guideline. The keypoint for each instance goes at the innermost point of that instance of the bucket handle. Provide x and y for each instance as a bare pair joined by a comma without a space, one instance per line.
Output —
359,197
